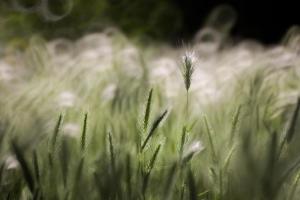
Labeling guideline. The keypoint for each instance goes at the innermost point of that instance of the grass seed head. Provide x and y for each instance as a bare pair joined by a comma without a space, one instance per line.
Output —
188,63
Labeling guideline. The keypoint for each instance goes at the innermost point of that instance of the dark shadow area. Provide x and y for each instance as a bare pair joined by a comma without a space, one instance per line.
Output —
164,20
266,21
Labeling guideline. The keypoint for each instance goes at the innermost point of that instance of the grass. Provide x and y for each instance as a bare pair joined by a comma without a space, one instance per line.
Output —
74,130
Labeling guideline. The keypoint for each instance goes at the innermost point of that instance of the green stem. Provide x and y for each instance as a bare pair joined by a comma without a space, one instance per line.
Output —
187,106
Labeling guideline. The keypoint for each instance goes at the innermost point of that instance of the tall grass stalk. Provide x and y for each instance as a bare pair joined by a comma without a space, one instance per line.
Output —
210,139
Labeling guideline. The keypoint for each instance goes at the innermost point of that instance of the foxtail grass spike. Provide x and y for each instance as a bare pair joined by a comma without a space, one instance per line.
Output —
83,135
148,110
234,123
154,127
188,68
183,138
56,131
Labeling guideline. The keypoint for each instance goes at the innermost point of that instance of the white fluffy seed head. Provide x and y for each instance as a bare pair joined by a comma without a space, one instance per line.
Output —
188,62
194,148
66,99
11,163
71,130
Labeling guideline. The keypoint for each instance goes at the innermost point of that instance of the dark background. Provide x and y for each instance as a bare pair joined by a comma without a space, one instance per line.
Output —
162,20
266,21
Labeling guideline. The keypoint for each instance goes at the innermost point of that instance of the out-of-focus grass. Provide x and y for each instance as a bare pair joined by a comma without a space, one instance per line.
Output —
73,18
236,139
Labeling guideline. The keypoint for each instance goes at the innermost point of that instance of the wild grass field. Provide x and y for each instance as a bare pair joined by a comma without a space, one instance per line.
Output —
106,118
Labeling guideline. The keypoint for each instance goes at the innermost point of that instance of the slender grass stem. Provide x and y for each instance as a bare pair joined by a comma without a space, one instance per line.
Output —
187,106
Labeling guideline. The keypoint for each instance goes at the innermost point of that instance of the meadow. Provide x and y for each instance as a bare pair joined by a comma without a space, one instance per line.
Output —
104,117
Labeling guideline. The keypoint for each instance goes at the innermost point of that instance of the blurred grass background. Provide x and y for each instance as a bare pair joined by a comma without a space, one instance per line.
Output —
72,18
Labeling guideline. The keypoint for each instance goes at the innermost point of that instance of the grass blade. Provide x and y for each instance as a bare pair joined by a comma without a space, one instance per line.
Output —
150,167
170,180
64,157
112,153
182,192
294,186
209,132
24,166
128,176
192,186
228,158
77,179
36,194
1,137
36,166
153,159
79,170
1,172
292,126
290,169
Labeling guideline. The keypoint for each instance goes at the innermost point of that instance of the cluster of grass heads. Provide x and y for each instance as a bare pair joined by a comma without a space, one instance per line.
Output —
134,145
